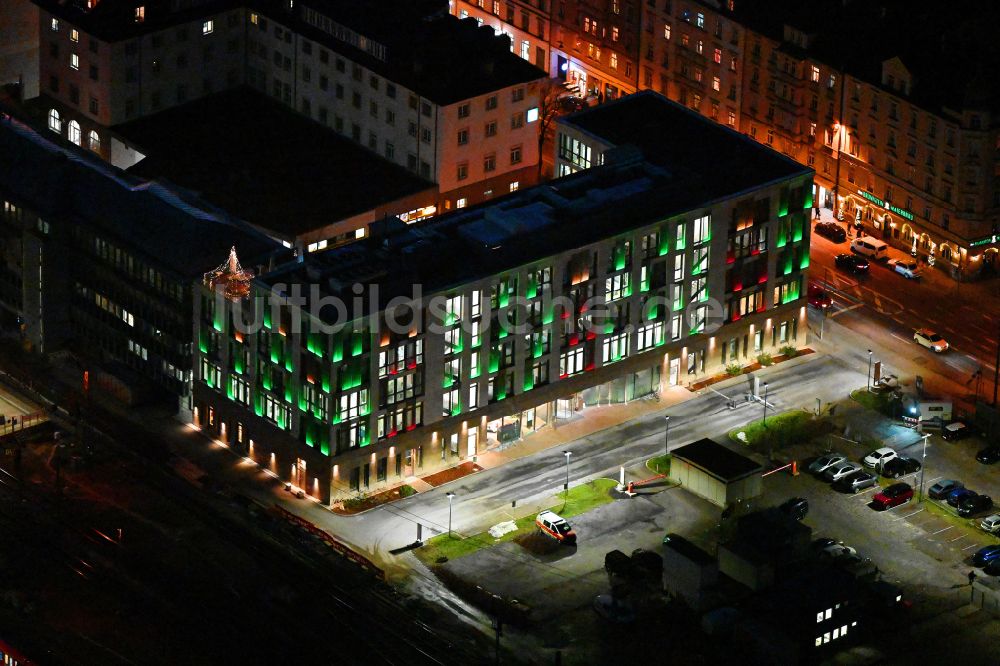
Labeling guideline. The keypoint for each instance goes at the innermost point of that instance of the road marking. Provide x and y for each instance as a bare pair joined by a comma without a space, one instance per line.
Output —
957,538
972,546
910,514
847,309
934,479
942,530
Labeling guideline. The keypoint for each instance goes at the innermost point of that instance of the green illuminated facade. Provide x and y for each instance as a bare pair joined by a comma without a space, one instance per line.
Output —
596,288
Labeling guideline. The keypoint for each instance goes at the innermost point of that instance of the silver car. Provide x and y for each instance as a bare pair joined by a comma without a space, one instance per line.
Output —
824,462
856,482
840,470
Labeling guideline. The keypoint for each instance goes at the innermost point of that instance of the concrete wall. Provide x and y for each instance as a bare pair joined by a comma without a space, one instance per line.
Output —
698,482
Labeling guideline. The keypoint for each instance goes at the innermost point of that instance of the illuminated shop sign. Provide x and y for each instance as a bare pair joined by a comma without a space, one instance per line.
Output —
888,206
989,240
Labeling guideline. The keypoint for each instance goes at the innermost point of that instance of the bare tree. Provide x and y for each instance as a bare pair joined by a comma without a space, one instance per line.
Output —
549,94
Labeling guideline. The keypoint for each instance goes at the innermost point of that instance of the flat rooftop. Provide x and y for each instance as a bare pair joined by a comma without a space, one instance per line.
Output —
176,232
265,163
532,224
674,137
717,460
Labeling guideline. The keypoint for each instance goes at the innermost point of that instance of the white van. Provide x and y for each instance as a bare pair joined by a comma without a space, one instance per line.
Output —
869,247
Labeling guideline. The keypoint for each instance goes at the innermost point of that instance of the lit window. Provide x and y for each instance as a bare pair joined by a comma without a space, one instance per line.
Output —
461,203
74,132
253,19
666,31
514,185
74,61
532,114
55,122
94,141
359,233
815,74
716,83
208,27
140,14
55,25
74,35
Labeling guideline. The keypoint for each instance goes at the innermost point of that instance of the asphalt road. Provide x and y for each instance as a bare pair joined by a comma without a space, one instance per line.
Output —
791,385
888,307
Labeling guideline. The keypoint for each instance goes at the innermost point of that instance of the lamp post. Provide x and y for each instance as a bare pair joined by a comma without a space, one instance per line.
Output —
566,485
868,379
923,467
765,404
666,435
451,496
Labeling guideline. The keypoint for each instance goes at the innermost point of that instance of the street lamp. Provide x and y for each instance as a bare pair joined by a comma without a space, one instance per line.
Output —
666,435
923,467
566,485
868,379
765,404
451,496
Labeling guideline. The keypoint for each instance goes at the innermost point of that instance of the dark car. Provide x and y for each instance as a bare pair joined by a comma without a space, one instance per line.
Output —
818,298
986,554
956,430
974,504
992,568
989,455
797,508
894,495
900,466
943,488
831,230
957,495
851,263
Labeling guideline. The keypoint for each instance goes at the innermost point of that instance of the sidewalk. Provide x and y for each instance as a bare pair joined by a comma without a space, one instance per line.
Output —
591,420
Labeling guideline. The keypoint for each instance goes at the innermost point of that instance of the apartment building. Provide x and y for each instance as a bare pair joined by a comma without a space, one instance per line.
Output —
419,347
101,263
108,62
526,22
693,53
596,45
444,99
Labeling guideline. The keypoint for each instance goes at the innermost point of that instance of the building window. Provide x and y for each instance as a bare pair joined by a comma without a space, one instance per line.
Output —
54,25
514,185
463,137
140,14
462,171
74,61
489,163
55,122
515,155
571,362
491,128
491,103
208,27
74,35
461,203
463,110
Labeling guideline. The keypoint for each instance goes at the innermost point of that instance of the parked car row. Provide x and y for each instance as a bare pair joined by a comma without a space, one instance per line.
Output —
967,502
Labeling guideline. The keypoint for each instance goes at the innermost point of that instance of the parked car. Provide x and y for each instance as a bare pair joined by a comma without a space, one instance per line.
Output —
840,470
957,495
992,568
986,554
831,230
991,524
925,337
956,430
796,507
900,466
894,495
557,528
943,488
615,610
989,455
818,298
837,550
820,465
906,267
974,504
855,482
851,263
821,543
879,456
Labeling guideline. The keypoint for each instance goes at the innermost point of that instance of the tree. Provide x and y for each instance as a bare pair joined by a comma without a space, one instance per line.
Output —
549,93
